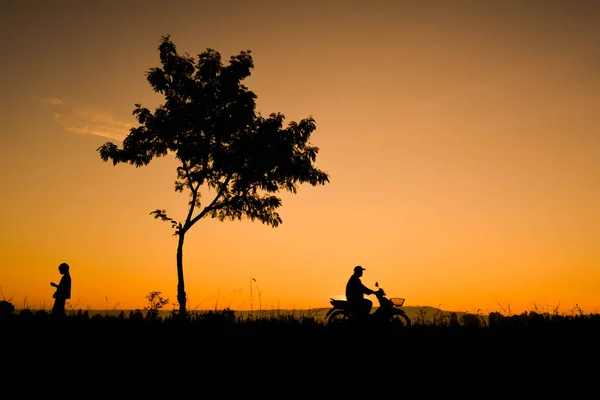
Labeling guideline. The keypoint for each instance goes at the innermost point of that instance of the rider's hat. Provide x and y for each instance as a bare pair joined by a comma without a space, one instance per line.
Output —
358,268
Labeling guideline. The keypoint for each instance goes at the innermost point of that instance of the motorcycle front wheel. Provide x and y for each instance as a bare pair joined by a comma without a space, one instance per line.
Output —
338,318
400,320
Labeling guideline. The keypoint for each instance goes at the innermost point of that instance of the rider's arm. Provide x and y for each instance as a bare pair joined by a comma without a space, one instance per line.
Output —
366,290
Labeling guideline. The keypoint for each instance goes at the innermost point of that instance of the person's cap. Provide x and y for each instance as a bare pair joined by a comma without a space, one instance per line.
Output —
359,268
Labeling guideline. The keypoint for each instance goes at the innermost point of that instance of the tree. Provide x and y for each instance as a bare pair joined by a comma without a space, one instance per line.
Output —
223,145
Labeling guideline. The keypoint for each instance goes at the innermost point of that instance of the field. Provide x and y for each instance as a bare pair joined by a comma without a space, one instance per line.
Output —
278,324
151,350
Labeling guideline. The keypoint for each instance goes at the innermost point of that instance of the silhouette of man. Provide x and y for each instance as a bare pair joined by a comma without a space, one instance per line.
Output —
355,291
63,291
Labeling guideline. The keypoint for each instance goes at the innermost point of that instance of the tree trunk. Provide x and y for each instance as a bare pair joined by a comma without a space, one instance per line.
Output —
181,296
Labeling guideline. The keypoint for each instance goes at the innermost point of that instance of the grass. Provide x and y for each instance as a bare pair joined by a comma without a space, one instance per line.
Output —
285,351
225,321
152,325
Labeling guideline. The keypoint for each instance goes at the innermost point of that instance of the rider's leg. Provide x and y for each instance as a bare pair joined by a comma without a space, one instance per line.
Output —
365,308
368,306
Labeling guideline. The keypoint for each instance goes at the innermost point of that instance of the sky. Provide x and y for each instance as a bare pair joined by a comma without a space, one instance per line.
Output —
461,139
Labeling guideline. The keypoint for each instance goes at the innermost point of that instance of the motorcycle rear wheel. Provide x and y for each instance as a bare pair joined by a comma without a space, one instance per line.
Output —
400,320
338,318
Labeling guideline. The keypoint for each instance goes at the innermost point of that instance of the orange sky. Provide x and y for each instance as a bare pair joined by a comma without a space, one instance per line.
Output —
461,139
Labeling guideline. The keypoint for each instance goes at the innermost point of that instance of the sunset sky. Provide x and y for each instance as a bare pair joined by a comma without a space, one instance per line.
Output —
461,139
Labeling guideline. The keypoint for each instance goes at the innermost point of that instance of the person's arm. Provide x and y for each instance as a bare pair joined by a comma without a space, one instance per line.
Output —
61,285
366,290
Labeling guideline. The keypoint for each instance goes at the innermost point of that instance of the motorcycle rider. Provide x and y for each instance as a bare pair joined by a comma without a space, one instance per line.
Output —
355,291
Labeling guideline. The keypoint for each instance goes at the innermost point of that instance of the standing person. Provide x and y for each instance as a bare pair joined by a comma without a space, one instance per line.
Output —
63,290
355,291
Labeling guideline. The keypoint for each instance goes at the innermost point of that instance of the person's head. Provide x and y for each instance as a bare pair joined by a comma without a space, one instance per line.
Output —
358,270
63,268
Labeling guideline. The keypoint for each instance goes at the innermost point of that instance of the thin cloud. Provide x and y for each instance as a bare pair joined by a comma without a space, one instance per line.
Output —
87,121
54,101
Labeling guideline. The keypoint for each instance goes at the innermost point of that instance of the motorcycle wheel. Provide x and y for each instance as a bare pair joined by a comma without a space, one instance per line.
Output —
338,318
400,320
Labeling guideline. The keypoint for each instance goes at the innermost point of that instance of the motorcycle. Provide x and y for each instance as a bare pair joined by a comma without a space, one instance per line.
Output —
389,311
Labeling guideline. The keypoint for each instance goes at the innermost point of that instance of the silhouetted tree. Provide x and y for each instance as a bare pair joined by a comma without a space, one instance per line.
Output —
222,144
